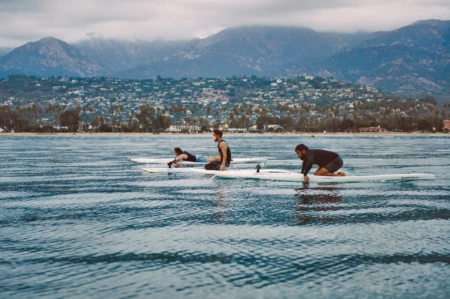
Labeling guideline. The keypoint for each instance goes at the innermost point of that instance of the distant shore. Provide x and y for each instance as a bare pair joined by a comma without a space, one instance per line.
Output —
327,134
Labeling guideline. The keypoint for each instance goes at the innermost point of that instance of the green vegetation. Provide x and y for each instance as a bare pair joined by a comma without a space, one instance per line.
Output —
302,104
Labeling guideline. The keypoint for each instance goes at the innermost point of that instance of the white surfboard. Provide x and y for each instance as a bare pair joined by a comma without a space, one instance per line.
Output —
167,160
282,175
179,170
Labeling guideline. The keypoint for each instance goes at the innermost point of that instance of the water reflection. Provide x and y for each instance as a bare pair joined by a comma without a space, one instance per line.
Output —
221,205
315,202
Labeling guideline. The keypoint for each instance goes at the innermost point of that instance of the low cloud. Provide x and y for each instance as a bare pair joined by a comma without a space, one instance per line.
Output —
73,20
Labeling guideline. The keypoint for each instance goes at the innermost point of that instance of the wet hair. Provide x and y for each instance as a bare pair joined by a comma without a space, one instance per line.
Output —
301,147
218,132
178,150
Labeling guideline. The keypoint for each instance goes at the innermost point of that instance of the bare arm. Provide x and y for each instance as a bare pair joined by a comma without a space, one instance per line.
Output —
181,157
224,148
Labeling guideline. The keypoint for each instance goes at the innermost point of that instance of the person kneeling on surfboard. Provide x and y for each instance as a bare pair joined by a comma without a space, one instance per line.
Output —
329,162
221,162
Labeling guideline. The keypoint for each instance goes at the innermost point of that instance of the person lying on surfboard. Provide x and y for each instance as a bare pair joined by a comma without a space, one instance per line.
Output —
223,160
329,162
185,156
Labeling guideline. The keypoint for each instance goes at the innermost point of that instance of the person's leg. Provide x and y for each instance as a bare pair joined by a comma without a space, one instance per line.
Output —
331,168
212,166
200,158
324,172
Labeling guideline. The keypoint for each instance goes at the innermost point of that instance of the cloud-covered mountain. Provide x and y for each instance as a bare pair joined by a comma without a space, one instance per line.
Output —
49,57
258,50
120,55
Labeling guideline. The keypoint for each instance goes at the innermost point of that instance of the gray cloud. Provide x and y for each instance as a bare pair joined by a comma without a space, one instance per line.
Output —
71,20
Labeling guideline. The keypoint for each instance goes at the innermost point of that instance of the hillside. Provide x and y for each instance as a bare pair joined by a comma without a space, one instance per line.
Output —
120,55
49,57
259,50
413,60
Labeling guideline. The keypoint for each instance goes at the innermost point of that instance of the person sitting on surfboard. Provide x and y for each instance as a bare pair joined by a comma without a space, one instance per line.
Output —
329,162
223,160
185,156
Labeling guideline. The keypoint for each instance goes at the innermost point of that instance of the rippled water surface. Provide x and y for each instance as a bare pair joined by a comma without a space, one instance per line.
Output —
79,219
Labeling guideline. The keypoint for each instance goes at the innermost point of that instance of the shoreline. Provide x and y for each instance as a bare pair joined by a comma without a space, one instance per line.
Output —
339,134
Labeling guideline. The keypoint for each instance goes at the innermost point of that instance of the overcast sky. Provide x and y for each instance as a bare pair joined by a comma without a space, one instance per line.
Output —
72,20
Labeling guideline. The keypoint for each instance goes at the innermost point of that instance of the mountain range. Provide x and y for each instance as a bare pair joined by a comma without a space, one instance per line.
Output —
49,57
412,60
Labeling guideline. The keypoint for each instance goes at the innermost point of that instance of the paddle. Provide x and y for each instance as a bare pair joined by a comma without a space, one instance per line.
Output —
259,166
171,162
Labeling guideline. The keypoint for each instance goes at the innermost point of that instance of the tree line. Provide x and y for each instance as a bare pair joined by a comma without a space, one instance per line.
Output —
408,116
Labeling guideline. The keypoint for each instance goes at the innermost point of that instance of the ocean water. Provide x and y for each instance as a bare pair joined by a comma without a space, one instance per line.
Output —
78,219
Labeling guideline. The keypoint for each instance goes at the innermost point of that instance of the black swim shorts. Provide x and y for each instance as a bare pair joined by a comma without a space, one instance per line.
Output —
334,165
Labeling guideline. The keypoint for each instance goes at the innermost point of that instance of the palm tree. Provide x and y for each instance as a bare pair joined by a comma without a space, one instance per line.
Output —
130,120
279,108
311,122
224,109
355,119
187,120
95,122
236,110
194,121
217,115
113,123
34,110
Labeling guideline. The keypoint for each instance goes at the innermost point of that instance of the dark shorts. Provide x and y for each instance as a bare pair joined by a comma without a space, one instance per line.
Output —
334,165
215,165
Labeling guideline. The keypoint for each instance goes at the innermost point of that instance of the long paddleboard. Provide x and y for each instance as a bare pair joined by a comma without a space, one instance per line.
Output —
281,175
179,170
167,160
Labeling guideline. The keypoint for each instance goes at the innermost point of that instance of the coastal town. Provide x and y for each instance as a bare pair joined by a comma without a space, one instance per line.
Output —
237,104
